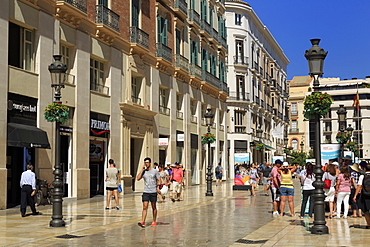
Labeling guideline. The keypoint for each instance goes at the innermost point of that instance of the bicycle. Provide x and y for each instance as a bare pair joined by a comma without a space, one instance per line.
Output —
43,194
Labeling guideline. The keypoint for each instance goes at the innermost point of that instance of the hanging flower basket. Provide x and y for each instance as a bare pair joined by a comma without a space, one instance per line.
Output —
353,147
342,137
317,104
259,146
208,138
56,112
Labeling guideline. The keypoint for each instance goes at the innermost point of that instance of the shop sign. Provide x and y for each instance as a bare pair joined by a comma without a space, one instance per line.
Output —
100,125
241,157
21,107
163,141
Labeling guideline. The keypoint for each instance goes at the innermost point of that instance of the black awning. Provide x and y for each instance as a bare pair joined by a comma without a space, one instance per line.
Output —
20,135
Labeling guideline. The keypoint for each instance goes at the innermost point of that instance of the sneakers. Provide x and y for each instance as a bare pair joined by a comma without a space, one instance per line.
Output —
118,208
106,208
173,199
142,224
154,224
275,214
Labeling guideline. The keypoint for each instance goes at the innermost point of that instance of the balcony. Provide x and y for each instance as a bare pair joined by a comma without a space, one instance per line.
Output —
224,87
214,36
163,52
256,67
136,100
240,129
181,62
179,114
256,100
99,88
205,28
193,119
294,130
194,18
107,17
181,6
139,37
239,96
195,70
240,60
78,4
222,42
164,110
262,104
211,79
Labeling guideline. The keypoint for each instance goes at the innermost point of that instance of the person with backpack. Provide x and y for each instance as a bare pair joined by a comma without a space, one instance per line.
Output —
219,171
363,189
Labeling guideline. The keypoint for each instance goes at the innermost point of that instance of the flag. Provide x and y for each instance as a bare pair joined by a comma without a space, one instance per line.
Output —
356,101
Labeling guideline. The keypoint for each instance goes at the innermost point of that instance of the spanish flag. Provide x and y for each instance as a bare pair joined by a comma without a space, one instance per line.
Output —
356,101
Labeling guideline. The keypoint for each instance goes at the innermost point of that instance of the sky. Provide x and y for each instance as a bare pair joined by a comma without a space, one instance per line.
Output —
342,25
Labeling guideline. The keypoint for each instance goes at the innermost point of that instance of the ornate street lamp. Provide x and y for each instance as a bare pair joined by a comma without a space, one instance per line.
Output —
259,133
209,121
315,57
302,146
349,129
57,71
342,116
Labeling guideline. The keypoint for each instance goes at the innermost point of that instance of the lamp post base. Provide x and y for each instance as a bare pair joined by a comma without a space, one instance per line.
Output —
57,223
319,229
209,194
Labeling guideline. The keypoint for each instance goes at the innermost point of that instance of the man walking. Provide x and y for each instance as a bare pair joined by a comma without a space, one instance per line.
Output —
177,179
266,177
151,188
275,187
28,185
219,171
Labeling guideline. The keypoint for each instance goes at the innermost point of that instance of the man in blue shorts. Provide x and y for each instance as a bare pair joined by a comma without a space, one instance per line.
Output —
151,188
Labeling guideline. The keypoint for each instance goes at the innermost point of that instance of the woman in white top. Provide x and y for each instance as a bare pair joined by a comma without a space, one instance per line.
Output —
111,179
330,193
307,178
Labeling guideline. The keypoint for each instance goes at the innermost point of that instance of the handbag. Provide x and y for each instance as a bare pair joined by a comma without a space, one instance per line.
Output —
164,190
119,188
327,183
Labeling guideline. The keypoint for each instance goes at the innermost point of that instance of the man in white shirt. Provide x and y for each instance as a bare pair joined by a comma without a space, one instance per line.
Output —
28,186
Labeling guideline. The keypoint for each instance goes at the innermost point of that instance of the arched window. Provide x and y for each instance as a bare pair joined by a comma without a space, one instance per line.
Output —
295,144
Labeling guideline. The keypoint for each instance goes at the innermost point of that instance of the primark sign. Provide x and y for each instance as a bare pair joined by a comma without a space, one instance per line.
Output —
100,125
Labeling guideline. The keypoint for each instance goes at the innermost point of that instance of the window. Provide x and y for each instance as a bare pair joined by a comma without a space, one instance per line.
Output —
240,89
238,19
211,17
103,2
212,62
163,97
328,126
178,102
178,41
239,121
204,60
239,50
193,106
294,127
221,71
194,52
65,52
221,27
162,25
294,109
20,52
135,90
135,10
295,144
97,78
203,10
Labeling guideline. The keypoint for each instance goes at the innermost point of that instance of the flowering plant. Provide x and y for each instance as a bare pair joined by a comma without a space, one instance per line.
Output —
259,146
56,112
342,137
208,138
317,104
353,148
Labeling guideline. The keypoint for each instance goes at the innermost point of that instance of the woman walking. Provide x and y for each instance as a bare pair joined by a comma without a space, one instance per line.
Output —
286,188
307,178
330,192
112,178
343,190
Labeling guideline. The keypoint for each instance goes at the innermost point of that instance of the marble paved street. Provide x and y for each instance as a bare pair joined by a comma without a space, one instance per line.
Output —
229,218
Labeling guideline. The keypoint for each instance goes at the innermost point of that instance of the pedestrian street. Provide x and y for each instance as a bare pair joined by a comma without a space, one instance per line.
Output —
229,218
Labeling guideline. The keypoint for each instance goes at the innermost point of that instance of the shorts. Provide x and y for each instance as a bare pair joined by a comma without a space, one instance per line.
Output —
266,181
111,188
330,194
149,197
219,175
286,191
176,187
275,193
253,181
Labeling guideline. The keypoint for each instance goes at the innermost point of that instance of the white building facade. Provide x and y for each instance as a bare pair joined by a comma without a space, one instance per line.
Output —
258,87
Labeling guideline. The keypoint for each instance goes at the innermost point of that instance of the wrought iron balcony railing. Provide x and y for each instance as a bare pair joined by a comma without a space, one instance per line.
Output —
240,129
139,37
164,110
136,100
211,79
239,96
179,114
195,70
224,87
164,51
193,119
241,60
204,26
182,5
99,88
194,16
79,4
107,17
222,41
181,62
